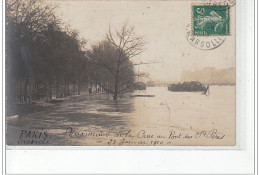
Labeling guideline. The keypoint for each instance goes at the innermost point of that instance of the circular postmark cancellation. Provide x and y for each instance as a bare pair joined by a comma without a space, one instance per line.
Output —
229,3
226,5
203,43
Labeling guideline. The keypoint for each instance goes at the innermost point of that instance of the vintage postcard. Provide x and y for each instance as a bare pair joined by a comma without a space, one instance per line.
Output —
120,73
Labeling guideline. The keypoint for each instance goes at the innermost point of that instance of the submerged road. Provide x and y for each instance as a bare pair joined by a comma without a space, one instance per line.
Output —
98,114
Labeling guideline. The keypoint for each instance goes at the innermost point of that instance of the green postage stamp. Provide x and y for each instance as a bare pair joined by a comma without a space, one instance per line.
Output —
211,20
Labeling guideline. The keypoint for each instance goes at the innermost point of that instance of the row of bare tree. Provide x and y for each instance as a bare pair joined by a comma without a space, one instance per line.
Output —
44,58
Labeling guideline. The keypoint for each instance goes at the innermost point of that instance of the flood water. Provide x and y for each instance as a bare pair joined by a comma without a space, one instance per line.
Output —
180,111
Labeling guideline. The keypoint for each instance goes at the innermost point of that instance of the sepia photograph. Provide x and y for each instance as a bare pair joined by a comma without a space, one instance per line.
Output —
120,73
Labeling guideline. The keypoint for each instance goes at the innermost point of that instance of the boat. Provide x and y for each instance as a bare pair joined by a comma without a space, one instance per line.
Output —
139,86
139,90
141,95
193,86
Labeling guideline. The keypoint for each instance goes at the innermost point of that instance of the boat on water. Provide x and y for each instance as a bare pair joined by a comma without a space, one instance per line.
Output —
139,86
140,90
137,95
193,86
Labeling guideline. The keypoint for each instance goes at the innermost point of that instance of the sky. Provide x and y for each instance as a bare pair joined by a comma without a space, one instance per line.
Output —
162,23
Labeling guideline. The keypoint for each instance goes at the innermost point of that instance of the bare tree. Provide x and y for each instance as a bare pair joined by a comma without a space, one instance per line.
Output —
105,59
127,45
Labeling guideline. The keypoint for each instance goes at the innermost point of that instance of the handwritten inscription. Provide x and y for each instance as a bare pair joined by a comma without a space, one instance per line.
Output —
74,133
213,134
129,137
142,134
143,137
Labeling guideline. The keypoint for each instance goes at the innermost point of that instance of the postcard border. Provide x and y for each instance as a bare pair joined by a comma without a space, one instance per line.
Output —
255,92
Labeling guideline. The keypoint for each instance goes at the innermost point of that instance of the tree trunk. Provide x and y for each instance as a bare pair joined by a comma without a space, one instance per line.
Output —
96,88
74,89
91,85
68,88
79,88
116,90
64,89
116,82
21,92
86,85
50,91
115,96
46,92
57,89
25,88
116,87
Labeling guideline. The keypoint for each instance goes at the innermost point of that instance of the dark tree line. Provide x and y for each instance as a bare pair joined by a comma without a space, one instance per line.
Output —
45,59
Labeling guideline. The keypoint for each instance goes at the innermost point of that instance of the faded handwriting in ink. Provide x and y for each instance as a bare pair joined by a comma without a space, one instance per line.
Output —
143,134
213,134
132,142
142,137
72,132
123,134
174,135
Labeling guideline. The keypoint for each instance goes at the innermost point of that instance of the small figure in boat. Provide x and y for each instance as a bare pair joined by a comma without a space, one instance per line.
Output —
206,91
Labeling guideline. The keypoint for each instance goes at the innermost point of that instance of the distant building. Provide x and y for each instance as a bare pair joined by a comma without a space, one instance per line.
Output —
211,76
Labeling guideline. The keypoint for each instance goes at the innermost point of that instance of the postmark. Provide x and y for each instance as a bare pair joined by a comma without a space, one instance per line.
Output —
210,20
230,3
203,43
